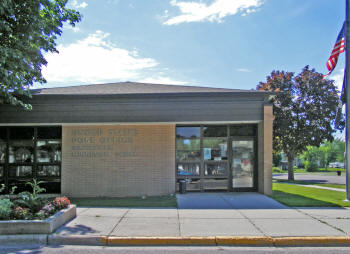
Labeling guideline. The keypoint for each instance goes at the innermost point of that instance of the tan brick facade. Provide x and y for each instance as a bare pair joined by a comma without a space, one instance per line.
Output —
265,142
118,160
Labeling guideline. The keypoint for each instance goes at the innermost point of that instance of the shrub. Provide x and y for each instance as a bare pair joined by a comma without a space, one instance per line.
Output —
61,202
311,166
5,209
27,200
20,213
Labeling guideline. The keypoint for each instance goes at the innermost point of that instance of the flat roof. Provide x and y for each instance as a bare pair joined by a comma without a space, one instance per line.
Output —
125,88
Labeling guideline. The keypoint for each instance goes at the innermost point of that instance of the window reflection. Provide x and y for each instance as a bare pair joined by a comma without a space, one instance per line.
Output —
188,169
48,151
188,155
213,169
215,149
188,144
1,172
2,151
16,171
242,164
21,151
48,170
215,131
188,132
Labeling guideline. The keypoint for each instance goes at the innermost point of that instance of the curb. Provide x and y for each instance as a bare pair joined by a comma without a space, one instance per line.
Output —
54,239
230,240
40,239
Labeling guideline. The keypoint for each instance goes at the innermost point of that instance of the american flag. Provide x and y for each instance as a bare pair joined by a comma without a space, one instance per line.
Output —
339,47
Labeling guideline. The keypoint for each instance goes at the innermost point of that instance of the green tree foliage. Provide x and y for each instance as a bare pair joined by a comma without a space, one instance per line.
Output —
305,109
325,154
27,30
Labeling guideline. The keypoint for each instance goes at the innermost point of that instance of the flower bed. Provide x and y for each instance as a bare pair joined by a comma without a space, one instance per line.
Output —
30,213
46,226
29,205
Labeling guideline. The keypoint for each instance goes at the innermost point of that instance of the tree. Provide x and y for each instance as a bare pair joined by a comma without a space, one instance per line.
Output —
305,108
27,30
323,155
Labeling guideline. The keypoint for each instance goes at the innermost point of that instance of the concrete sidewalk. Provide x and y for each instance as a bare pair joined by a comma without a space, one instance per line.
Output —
204,219
130,222
159,226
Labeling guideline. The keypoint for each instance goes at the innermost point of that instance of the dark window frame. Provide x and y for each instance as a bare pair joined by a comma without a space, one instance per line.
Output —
202,162
9,180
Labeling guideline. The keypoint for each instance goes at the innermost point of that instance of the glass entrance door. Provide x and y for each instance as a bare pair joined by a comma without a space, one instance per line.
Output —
243,163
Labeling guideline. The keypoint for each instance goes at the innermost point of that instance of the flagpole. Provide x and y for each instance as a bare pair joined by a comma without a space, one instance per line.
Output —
347,91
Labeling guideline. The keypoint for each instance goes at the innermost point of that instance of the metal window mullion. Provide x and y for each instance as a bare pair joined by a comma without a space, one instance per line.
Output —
201,165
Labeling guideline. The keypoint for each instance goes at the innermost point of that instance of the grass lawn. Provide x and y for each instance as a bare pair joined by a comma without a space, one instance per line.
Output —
159,201
338,186
293,195
301,170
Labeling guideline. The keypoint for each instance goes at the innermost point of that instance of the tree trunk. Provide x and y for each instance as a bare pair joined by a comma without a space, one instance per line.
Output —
291,157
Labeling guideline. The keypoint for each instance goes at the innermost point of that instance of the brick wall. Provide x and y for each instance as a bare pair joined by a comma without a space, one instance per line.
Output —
118,160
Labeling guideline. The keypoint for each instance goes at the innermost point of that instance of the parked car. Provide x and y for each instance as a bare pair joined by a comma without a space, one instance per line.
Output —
336,165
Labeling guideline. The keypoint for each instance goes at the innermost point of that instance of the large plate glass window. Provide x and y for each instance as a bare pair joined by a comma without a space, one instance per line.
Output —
48,157
243,160
30,152
21,157
188,151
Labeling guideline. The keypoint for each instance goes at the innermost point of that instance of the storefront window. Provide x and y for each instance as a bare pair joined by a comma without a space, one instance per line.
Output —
48,170
188,169
3,146
215,169
49,133
215,149
20,171
206,155
215,131
188,149
21,151
188,132
48,151
242,130
32,152
2,151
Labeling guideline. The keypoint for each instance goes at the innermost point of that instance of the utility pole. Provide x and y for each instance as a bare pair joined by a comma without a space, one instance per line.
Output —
347,92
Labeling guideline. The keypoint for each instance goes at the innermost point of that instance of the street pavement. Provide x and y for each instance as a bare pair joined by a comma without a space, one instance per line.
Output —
330,178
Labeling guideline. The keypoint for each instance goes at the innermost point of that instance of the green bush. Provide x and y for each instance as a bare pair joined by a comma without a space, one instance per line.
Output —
28,200
5,209
311,166
277,170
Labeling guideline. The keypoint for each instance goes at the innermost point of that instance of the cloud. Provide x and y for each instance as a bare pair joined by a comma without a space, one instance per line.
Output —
195,11
72,28
243,70
162,80
338,79
77,5
95,59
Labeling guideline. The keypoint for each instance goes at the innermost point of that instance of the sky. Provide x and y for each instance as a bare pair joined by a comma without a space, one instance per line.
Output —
214,43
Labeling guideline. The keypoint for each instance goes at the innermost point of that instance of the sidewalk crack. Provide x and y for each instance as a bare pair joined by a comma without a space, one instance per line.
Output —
121,218
322,221
247,218
178,219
